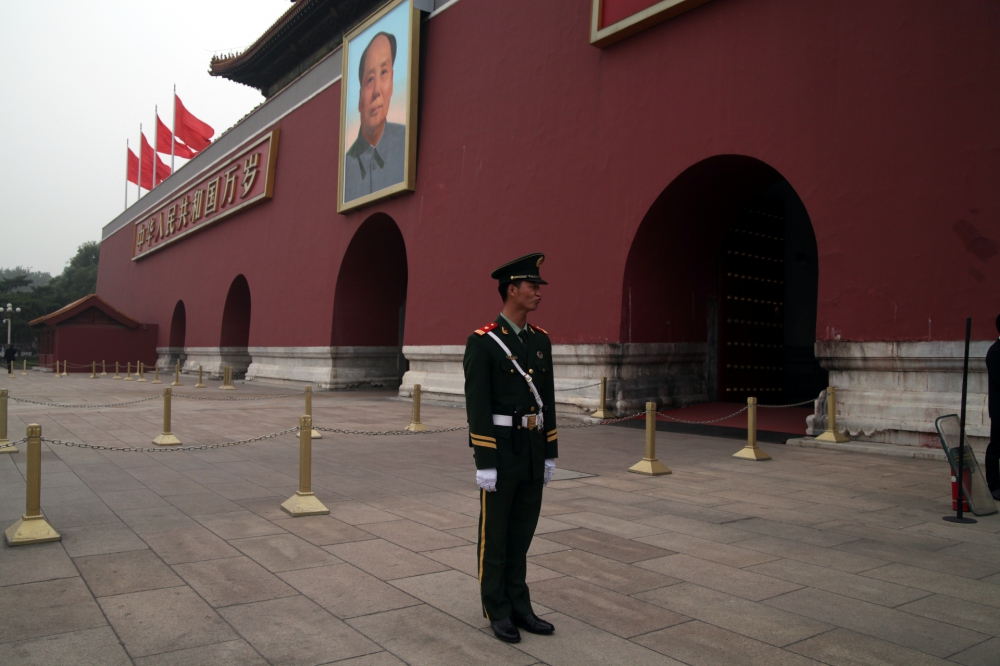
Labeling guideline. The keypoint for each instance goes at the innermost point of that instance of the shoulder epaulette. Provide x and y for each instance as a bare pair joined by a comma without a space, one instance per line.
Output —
539,329
486,329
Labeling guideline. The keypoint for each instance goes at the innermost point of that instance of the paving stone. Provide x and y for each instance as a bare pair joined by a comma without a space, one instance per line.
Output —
88,647
377,659
294,631
911,537
283,552
233,580
847,648
463,558
203,504
976,591
824,557
150,521
920,558
614,526
894,626
47,607
119,573
230,653
238,524
738,582
977,617
66,515
384,560
324,530
612,547
701,644
604,572
265,507
982,553
347,591
164,620
452,592
358,513
132,499
984,654
27,564
434,516
733,556
695,528
617,613
576,643
541,546
839,582
413,536
749,618
423,635
189,545
799,533
97,539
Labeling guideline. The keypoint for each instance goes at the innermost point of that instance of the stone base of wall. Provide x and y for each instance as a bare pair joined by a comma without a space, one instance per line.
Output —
672,374
891,392
326,367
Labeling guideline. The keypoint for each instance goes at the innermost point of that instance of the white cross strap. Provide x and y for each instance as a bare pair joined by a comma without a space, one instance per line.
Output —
527,377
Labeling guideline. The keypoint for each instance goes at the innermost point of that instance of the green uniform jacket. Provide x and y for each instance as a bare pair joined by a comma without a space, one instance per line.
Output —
494,386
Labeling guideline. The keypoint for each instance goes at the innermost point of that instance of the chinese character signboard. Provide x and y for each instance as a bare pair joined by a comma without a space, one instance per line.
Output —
236,183
614,20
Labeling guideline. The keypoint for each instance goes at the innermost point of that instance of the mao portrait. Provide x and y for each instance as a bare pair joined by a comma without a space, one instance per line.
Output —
378,107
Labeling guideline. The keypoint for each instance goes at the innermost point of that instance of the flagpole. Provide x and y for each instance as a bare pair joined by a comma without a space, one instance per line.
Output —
173,131
126,174
156,131
138,187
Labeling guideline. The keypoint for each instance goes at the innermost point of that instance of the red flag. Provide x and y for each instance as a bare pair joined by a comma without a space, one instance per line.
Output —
133,167
195,133
163,143
148,155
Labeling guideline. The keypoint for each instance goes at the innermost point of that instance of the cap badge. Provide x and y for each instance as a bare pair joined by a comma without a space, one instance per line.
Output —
539,354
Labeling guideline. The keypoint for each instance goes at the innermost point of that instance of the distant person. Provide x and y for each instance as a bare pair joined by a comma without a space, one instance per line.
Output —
8,357
993,450
375,160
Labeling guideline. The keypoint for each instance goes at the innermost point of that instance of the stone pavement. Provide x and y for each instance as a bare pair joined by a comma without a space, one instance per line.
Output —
185,558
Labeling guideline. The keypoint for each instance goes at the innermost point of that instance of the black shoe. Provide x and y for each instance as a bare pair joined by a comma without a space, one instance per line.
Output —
533,624
505,630
996,494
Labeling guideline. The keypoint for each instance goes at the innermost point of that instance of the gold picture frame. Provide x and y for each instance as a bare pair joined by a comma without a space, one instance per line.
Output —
602,36
399,22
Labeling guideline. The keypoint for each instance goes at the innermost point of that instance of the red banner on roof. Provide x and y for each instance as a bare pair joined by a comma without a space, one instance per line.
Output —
238,182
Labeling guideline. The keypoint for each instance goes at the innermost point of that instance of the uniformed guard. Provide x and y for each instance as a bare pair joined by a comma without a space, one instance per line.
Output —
512,431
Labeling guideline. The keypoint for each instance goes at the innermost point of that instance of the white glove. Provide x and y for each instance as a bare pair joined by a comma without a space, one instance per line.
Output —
550,469
487,479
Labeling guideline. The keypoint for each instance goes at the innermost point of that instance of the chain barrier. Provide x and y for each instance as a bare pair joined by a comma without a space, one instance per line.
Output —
378,433
796,404
23,440
674,418
577,388
83,406
261,397
603,421
167,449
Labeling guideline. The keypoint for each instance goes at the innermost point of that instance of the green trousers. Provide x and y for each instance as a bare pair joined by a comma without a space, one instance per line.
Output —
507,520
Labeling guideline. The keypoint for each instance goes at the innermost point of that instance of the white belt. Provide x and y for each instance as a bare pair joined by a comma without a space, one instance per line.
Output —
504,420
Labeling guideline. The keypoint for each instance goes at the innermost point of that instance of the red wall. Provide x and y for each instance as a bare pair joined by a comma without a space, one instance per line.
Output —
880,115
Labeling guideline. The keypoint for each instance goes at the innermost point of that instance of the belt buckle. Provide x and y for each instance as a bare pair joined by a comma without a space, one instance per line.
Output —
531,422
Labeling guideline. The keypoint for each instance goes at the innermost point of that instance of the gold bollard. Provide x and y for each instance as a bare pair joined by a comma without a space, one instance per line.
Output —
117,376
24,367
832,434
32,527
227,379
200,383
128,375
166,438
415,424
140,369
156,374
650,465
177,375
5,445
93,370
309,411
104,371
751,451
65,369
603,412
304,502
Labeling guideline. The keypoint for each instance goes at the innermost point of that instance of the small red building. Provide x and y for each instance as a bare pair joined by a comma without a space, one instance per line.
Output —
88,331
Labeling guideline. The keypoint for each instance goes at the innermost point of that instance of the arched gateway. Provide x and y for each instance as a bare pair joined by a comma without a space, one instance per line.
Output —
721,281
234,336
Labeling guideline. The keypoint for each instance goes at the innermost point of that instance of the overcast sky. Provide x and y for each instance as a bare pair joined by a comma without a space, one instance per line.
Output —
77,78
